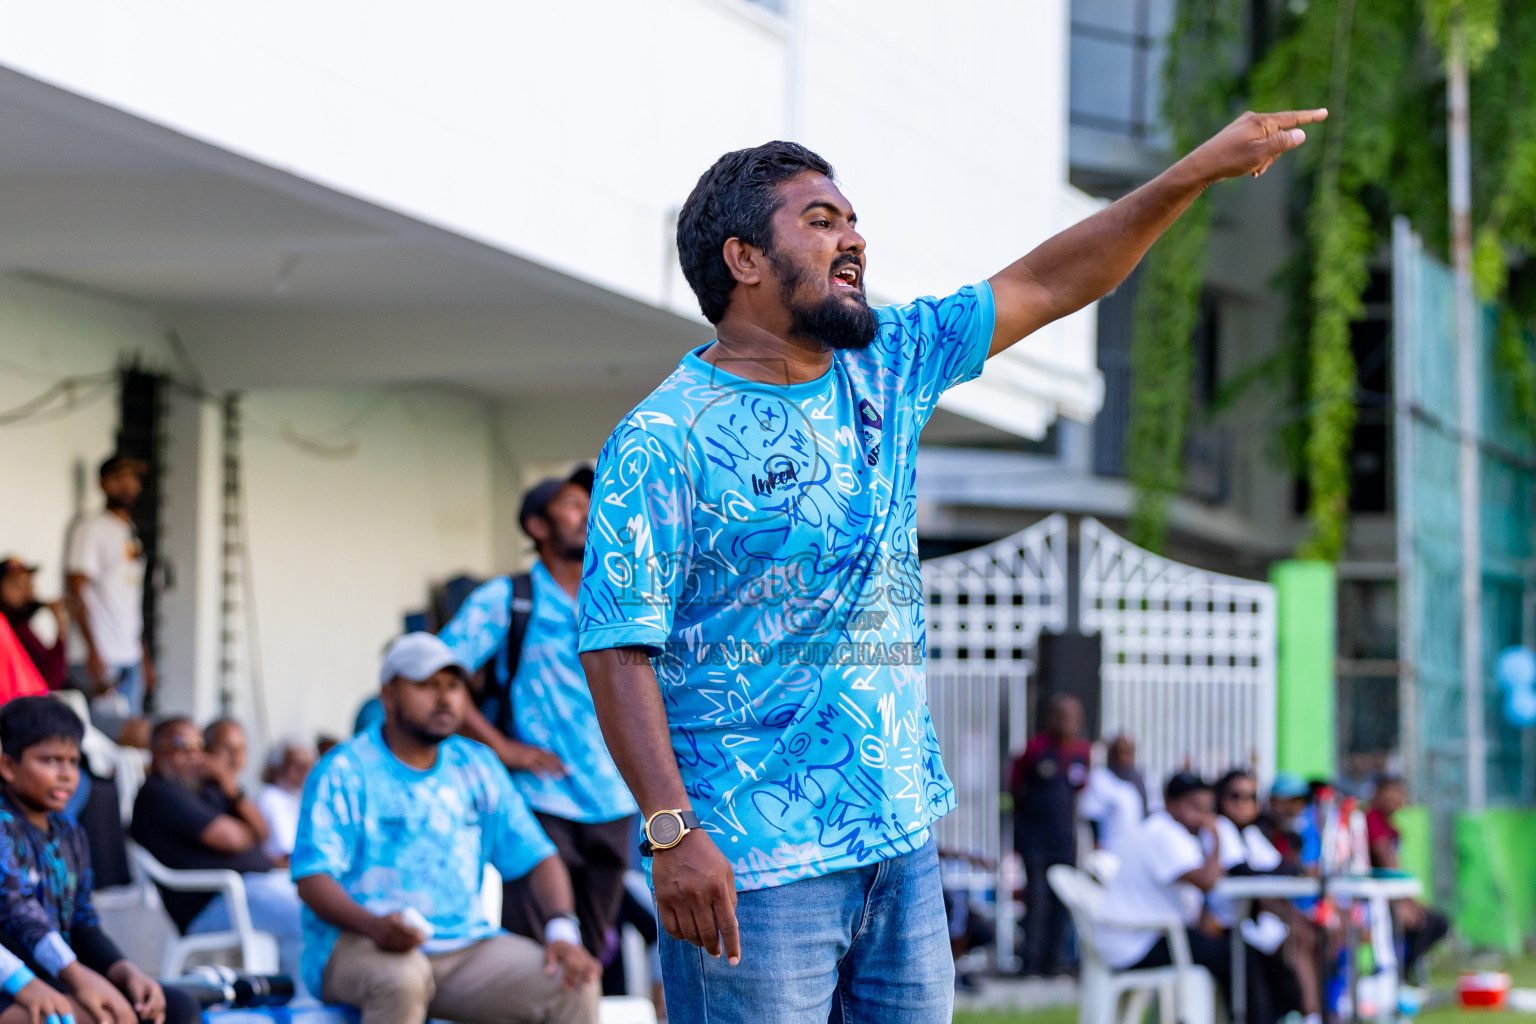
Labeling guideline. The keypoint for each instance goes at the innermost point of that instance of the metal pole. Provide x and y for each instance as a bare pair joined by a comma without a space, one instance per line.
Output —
797,15
1467,389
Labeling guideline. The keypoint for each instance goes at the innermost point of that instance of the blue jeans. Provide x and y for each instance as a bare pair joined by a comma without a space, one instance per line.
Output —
869,945
274,904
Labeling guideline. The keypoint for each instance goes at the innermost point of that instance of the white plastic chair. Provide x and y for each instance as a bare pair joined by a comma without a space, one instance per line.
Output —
1185,992
257,950
1101,865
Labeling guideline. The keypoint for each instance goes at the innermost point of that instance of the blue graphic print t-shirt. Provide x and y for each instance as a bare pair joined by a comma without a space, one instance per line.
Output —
397,837
553,707
760,543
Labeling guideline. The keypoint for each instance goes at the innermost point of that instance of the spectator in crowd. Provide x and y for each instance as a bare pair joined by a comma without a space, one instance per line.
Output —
1046,780
1284,939
47,917
106,591
396,829
19,605
1289,797
190,816
1422,926
1167,863
224,757
1115,798
537,712
278,800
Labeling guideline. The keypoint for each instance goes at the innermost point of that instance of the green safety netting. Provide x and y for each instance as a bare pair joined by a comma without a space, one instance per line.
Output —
1429,525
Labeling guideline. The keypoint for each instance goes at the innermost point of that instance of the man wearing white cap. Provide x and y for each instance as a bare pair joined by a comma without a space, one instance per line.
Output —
397,826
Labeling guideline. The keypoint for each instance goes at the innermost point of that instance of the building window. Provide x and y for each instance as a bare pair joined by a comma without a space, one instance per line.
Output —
1117,65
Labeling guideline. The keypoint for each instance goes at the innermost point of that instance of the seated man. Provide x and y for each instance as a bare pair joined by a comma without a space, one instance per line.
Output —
186,824
46,914
1168,863
288,766
1422,927
394,835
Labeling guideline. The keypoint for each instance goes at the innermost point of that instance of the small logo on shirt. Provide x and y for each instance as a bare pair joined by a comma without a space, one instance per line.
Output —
869,415
778,470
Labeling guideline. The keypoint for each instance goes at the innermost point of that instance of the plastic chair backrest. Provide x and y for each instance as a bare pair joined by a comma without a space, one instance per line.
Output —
1082,897
1102,866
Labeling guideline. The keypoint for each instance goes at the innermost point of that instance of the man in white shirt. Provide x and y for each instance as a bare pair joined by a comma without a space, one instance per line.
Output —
1168,863
106,591
1116,796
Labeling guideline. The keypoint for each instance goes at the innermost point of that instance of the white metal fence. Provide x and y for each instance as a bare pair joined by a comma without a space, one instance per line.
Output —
1189,657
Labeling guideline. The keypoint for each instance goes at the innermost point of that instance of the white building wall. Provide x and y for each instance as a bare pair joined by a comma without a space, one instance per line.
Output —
570,133
48,459
357,500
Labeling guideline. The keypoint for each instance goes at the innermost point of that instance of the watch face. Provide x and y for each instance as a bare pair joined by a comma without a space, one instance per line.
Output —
665,829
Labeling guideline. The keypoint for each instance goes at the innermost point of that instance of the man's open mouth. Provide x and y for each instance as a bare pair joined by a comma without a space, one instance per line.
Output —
847,276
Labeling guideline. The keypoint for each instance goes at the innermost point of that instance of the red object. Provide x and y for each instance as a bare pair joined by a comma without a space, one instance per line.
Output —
18,676
1483,989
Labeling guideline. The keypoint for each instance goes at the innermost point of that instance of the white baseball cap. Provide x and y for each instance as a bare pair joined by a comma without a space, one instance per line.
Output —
418,656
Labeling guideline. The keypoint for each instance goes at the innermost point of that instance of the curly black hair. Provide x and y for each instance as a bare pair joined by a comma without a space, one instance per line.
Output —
736,198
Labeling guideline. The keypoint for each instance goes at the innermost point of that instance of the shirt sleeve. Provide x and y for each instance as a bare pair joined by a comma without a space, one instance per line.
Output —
182,814
1172,852
479,628
514,841
1262,855
938,343
1093,804
82,550
638,541
330,821
22,915
1233,851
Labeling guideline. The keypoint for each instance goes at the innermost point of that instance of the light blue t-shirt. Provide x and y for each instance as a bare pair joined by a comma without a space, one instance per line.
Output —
760,541
396,837
549,692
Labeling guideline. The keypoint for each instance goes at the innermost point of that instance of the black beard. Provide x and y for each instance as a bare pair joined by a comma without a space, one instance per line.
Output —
425,735
831,321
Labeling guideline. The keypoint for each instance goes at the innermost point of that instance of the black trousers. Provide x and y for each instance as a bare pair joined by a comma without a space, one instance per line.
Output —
596,855
1215,955
1045,918
180,1007
1420,940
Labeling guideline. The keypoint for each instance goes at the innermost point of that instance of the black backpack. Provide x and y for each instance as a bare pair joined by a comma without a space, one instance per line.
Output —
496,697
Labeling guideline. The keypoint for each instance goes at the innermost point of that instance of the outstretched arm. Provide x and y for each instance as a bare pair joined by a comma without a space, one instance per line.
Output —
1085,262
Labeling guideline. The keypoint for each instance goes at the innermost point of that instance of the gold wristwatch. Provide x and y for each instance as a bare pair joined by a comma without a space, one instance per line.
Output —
665,829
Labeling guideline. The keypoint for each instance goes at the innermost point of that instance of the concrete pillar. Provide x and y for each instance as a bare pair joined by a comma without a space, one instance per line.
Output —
189,607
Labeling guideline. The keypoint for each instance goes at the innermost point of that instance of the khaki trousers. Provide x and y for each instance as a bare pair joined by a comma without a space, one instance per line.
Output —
499,980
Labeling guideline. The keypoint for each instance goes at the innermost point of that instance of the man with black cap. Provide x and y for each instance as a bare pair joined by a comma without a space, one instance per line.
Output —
536,711
106,593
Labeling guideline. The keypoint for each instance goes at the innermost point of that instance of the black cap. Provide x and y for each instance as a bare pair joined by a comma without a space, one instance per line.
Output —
13,564
1182,784
537,500
120,460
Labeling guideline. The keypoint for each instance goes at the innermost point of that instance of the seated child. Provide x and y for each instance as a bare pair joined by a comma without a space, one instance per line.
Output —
46,914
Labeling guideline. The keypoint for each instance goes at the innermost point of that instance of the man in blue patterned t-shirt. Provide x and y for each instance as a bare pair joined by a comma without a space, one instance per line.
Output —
751,612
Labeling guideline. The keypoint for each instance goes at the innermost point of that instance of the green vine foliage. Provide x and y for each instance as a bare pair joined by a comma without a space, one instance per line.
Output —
1200,94
1378,65
1167,306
